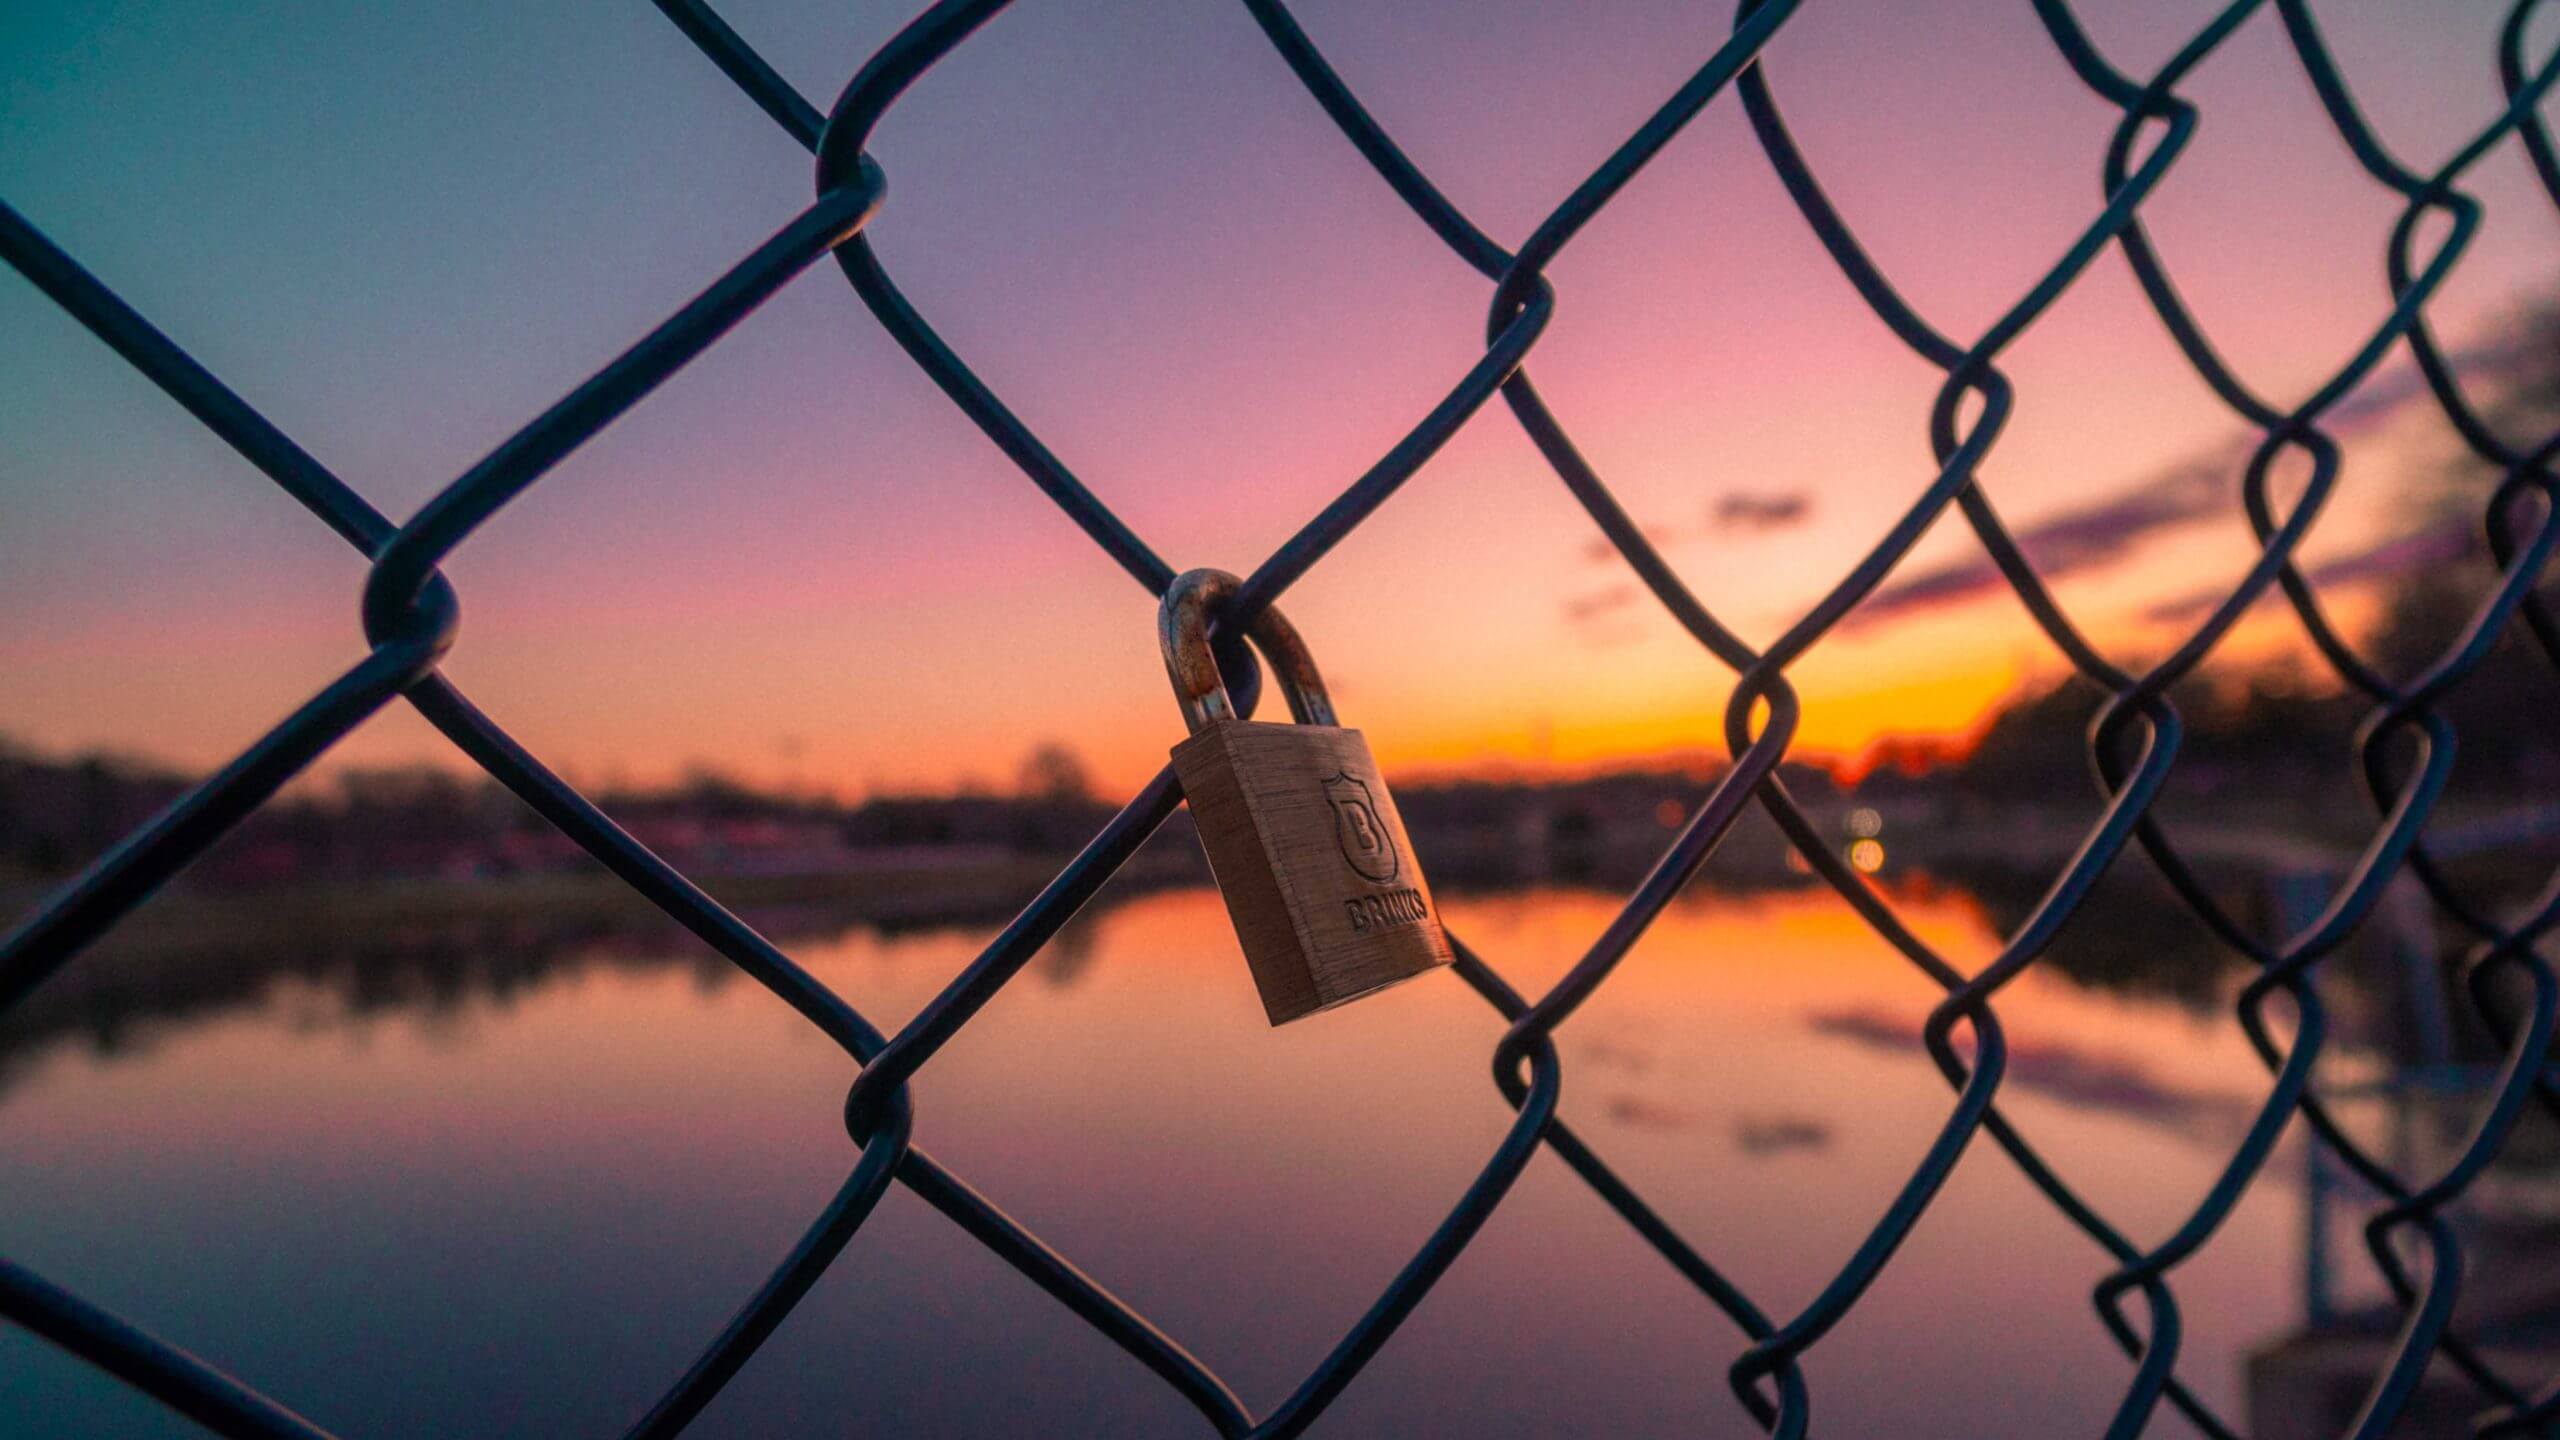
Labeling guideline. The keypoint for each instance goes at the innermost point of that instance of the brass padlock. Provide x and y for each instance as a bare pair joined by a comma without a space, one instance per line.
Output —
1303,839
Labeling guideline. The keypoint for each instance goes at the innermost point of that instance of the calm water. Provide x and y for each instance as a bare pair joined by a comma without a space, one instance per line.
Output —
519,1209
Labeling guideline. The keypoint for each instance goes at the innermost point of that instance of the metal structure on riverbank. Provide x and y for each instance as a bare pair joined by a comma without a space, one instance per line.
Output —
2406,746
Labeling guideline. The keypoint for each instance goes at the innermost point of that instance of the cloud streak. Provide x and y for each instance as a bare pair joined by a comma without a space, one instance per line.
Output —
1598,616
1599,604
1736,512
2106,532
2070,542
1759,514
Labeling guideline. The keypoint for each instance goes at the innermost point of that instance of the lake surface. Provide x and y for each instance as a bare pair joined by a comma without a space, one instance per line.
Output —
520,1207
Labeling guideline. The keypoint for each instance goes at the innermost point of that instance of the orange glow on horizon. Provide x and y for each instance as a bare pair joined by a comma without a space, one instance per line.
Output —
799,565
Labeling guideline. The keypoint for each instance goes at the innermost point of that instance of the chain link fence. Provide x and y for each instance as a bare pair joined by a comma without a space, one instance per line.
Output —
2406,746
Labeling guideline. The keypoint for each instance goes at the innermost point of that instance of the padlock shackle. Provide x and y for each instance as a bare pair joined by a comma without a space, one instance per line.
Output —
1183,624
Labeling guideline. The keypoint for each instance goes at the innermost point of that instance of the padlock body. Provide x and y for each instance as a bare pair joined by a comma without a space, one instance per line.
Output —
1312,858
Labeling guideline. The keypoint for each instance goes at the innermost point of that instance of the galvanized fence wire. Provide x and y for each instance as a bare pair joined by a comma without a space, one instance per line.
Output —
2405,746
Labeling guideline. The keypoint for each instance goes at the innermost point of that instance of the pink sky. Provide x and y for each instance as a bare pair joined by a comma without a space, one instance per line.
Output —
800,563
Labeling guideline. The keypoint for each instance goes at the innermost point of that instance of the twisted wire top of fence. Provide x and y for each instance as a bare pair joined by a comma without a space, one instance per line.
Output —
2405,748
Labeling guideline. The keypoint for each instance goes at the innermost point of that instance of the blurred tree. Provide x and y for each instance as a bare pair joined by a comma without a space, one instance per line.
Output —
1053,772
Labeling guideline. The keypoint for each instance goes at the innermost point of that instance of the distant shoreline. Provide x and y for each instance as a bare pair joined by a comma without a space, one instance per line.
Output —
991,888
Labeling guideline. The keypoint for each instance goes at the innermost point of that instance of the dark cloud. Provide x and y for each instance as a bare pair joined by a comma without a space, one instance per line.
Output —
2087,537
1777,1134
1606,618
1744,511
1598,604
1645,1113
1740,512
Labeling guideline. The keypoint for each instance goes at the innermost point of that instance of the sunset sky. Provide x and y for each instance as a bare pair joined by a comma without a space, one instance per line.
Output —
403,231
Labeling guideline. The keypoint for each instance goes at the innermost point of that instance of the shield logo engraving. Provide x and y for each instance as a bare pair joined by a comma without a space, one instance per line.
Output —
1366,845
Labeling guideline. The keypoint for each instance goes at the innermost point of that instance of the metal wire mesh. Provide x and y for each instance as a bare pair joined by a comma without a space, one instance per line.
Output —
410,618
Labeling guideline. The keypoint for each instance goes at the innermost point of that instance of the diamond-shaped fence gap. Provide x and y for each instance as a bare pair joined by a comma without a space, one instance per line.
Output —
631,600
1977,221
1504,69
1236,344
1361,1133
2251,273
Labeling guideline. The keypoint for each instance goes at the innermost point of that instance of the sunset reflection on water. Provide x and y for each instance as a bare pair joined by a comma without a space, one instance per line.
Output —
522,1212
